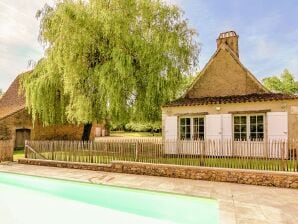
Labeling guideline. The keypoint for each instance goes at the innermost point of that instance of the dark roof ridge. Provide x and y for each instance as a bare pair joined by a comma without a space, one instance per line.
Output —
254,97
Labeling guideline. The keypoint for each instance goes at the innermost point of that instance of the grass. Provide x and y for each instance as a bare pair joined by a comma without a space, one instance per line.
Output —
134,134
18,154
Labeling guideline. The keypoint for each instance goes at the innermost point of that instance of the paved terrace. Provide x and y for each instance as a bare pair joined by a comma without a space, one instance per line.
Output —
239,204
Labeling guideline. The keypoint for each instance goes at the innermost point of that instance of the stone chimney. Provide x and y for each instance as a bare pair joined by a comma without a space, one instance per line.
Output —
229,38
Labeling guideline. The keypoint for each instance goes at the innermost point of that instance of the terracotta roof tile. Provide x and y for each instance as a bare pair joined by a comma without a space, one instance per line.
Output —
230,99
12,101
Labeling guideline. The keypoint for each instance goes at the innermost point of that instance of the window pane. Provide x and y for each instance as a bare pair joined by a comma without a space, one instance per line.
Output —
260,128
182,129
201,136
253,128
236,136
187,129
236,128
201,121
187,121
236,120
243,120
253,136
260,119
195,129
260,136
182,121
243,136
253,119
196,121
187,136
243,128
201,129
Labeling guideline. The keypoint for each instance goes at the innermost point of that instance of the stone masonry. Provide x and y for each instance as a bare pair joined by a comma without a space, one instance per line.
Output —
252,177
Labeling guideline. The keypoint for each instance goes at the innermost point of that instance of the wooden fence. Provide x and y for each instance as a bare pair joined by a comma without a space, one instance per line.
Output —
6,150
279,155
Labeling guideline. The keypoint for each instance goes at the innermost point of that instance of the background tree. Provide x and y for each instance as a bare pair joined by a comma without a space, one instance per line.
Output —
117,59
284,84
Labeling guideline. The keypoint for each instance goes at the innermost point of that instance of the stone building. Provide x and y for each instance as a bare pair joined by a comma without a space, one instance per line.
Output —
16,124
226,101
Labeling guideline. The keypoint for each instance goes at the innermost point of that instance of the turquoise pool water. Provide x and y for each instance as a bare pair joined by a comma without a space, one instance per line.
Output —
38,197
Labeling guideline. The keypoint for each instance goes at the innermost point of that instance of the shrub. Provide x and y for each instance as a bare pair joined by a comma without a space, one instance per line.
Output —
143,127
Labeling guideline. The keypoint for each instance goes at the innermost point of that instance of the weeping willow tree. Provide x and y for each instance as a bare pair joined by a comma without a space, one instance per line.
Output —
120,59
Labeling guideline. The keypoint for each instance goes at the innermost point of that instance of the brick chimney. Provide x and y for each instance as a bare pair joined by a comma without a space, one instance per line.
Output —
229,38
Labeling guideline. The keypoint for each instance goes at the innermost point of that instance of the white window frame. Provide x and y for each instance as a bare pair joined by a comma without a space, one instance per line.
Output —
248,133
191,127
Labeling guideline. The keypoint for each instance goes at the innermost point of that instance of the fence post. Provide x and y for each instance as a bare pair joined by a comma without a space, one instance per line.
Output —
25,149
203,152
52,150
283,148
137,151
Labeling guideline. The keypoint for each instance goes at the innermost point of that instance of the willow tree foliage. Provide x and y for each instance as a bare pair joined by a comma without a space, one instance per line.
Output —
120,59
285,83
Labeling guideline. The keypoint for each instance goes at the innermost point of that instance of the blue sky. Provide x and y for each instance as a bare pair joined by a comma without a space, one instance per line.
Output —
268,31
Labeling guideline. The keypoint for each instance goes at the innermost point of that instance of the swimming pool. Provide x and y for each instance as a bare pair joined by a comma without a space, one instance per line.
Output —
29,199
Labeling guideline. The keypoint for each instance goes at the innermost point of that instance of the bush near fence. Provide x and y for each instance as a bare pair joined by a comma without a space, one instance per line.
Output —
278,155
6,150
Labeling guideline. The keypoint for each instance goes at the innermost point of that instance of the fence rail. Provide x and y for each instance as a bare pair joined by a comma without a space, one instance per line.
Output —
278,155
6,150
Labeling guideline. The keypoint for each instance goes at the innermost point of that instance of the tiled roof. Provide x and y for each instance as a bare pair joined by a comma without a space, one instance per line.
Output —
12,101
230,99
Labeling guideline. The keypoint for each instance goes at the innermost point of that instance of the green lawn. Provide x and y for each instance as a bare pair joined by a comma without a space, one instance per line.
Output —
134,134
18,154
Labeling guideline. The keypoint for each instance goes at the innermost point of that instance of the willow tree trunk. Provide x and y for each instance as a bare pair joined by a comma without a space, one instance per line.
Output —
87,132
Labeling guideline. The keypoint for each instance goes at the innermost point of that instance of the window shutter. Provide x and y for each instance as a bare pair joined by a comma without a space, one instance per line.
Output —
213,126
170,134
277,125
171,125
277,131
227,126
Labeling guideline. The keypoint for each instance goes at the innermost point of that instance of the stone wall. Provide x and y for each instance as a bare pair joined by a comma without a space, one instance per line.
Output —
252,177
6,150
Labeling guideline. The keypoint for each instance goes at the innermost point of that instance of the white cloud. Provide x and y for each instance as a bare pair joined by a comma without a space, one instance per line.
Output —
18,37
264,48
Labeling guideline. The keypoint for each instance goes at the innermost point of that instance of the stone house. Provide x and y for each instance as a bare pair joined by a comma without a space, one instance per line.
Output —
226,101
16,124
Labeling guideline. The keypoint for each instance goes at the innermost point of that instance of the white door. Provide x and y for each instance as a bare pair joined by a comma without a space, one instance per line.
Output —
277,131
